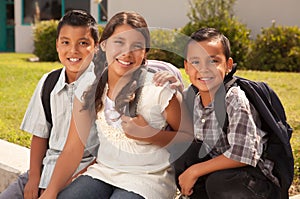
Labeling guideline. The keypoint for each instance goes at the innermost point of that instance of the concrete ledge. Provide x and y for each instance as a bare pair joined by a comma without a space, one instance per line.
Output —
14,160
295,197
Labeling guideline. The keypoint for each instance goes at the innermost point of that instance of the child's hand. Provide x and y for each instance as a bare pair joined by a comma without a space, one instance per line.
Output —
161,77
46,195
137,128
31,189
187,181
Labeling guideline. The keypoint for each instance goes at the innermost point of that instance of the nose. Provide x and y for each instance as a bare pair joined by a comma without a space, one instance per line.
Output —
73,48
126,51
202,68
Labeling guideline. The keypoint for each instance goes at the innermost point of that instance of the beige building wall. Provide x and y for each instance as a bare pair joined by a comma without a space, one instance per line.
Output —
172,14
260,13
158,13
23,33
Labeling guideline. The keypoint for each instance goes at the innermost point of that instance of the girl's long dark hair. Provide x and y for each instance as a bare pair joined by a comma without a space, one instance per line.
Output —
130,92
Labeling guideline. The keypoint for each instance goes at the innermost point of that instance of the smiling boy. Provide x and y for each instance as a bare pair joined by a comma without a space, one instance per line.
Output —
76,44
222,164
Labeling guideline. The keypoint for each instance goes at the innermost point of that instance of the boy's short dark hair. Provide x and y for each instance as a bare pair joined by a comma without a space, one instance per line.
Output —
79,18
204,34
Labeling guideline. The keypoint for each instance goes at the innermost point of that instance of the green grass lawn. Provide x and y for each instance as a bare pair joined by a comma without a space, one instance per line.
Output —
18,79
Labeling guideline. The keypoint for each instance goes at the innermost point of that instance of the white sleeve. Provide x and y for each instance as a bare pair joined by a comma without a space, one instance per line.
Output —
34,120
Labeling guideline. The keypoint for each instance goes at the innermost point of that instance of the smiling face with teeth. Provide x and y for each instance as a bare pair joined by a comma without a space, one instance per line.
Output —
75,47
206,66
125,51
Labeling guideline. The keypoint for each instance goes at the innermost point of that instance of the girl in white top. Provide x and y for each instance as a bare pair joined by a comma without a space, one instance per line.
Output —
132,162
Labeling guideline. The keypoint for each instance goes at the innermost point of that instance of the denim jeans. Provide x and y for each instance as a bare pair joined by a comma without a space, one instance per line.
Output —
245,182
242,183
16,189
86,187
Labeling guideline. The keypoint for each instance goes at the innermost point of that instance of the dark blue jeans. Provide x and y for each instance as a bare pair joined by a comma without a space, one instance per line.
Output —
238,183
86,187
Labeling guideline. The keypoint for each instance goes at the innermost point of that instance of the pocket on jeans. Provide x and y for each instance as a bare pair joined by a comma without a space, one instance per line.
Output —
258,186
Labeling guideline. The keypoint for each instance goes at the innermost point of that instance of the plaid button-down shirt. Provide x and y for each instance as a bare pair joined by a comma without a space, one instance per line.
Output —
244,141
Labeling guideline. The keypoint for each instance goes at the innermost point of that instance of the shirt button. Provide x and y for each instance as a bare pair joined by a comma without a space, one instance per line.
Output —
202,120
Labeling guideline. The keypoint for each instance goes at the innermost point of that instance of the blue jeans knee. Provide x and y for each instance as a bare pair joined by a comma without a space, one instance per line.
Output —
86,187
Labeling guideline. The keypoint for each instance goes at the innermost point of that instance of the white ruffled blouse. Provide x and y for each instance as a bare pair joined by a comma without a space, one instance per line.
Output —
136,166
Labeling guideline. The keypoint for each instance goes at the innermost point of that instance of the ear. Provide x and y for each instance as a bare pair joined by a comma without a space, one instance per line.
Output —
229,65
186,67
103,46
56,45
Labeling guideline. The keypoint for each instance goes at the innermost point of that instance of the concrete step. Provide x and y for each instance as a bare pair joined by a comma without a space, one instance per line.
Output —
14,160
295,197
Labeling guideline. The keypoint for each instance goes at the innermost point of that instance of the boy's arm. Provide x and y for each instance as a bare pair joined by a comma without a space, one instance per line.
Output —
72,153
166,72
37,153
161,77
188,178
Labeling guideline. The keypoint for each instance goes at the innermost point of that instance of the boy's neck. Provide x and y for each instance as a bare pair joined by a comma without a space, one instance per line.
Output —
72,76
206,98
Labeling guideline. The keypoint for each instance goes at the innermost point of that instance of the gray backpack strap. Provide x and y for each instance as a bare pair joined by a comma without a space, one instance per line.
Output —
189,95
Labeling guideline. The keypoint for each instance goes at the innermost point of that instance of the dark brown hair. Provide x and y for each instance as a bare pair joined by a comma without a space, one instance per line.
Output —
204,34
79,18
93,98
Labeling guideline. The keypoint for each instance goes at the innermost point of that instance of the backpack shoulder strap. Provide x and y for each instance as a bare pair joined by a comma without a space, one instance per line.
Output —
189,95
219,103
48,86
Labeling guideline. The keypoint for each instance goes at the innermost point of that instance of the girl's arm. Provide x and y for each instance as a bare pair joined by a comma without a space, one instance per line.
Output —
188,178
38,149
72,153
176,116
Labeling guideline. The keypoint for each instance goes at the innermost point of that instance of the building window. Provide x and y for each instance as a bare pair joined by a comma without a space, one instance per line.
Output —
102,11
50,9
77,4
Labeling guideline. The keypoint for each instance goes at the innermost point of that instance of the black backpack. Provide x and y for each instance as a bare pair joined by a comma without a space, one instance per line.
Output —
48,86
273,118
